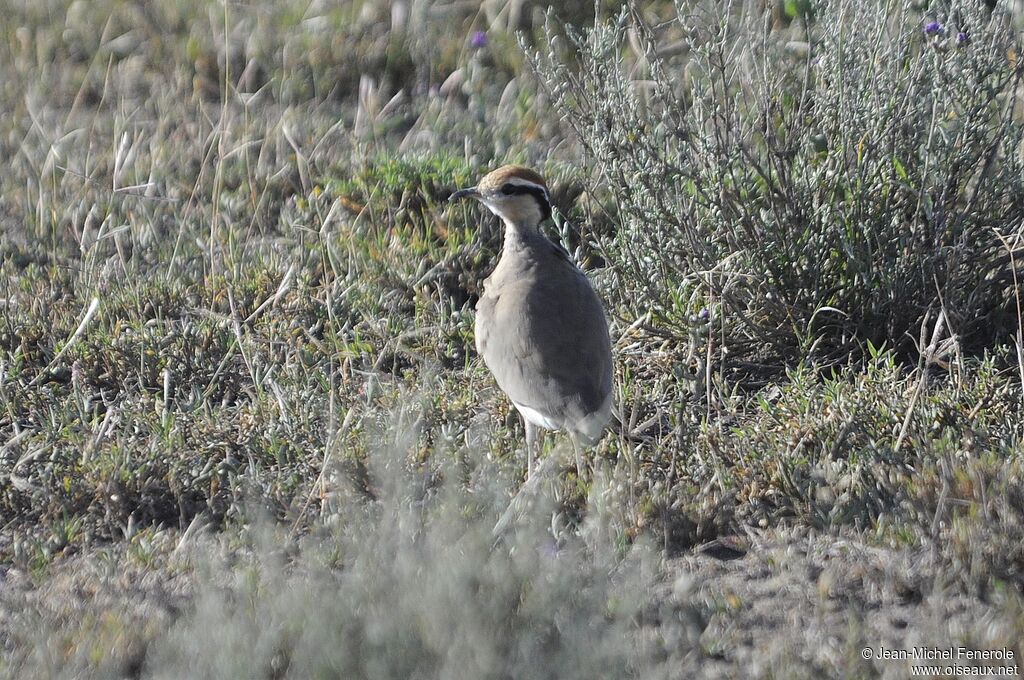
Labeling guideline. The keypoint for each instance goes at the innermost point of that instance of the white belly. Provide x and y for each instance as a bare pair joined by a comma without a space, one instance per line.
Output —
537,418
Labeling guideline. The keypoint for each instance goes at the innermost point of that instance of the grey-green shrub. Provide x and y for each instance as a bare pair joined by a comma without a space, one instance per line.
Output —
820,183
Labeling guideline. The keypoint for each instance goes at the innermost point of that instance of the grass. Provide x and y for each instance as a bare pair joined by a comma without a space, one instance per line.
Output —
238,387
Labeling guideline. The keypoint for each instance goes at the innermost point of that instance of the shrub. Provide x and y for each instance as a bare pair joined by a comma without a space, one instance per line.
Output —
817,184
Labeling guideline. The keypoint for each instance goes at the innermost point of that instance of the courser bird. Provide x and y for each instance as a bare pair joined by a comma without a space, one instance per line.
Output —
540,326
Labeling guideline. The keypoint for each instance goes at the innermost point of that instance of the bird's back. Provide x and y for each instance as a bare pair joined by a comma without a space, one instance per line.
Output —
542,332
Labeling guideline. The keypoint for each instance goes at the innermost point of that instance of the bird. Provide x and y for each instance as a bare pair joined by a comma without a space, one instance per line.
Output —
540,326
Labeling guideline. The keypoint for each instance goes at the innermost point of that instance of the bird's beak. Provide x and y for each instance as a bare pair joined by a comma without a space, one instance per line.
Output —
471,192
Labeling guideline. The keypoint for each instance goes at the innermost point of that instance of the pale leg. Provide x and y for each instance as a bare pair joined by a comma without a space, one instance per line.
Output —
531,440
579,456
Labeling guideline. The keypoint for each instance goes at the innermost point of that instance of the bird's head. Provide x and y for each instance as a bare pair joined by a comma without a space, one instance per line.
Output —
516,194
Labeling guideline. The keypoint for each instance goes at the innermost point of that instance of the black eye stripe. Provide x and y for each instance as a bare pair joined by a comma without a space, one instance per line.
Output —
519,189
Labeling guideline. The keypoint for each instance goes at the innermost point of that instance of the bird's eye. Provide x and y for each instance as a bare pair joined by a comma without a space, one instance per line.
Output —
508,189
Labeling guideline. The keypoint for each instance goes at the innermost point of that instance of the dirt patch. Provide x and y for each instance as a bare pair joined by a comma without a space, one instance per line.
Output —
797,603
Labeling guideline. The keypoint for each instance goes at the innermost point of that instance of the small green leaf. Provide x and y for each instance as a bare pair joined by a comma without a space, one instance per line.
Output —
900,170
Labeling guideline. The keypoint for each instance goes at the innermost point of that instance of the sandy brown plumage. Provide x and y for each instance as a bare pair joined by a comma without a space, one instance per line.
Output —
540,327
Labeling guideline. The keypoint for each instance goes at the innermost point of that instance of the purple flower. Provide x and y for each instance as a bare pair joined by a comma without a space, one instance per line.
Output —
478,40
704,315
934,28
962,38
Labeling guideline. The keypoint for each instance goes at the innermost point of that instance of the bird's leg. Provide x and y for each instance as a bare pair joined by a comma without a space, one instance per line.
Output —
531,440
579,455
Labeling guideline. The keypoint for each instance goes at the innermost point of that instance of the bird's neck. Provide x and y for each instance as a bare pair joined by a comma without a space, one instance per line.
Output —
517,233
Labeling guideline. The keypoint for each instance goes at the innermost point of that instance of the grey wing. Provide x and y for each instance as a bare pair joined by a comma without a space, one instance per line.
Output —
547,345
